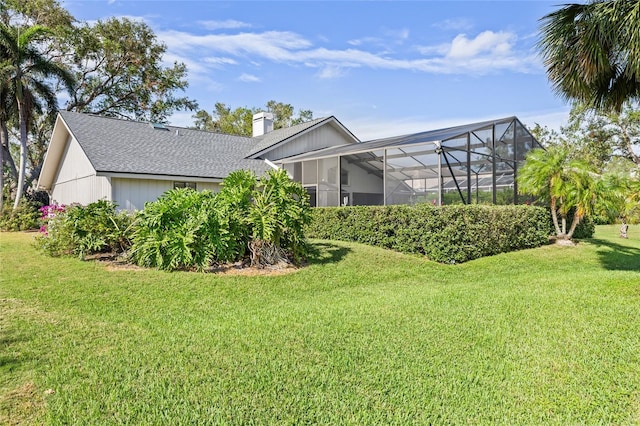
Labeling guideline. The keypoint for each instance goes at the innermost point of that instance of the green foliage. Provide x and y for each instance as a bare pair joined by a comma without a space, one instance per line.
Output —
564,182
448,234
85,230
180,230
186,229
279,213
592,52
25,217
239,121
118,64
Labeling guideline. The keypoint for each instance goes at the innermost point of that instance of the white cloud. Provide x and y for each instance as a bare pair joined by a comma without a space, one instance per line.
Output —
219,61
487,52
400,35
224,25
249,78
498,44
330,72
455,24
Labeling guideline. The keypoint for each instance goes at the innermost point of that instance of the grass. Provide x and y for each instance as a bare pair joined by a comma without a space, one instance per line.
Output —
361,336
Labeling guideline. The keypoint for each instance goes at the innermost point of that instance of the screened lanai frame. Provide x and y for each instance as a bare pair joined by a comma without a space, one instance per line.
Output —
474,163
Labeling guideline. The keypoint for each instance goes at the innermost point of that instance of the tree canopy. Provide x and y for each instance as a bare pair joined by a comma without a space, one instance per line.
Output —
592,52
239,121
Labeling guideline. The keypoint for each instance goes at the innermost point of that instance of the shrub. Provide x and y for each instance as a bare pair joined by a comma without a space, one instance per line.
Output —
447,234
180,230
185,229
277,216
84,230
25,217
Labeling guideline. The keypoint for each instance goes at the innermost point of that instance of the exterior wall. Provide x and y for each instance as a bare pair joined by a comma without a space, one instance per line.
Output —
361,181
131,194
82,190
322,137
76,180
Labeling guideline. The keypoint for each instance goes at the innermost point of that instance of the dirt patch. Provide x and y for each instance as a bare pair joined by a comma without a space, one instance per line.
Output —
237,268
241,268
20,406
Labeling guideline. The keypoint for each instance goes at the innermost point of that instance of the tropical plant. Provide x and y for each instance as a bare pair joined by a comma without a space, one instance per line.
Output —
175,231
84,230
278,215
592,52
620,193
25,71
565,183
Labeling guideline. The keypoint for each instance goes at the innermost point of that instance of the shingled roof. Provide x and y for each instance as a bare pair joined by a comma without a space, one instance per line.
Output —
122,146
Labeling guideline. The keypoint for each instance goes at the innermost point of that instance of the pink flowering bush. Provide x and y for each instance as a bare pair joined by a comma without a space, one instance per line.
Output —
84,230
47,213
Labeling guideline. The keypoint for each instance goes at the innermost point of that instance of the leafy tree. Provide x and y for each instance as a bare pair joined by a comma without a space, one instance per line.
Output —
619,192
592,52
597,137
566,183
239,121
27,71
117,65
48,13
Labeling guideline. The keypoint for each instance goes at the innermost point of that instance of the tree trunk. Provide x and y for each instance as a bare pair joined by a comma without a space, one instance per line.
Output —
554,216
23,153
574,224
2,168
5,157
4,139
564,227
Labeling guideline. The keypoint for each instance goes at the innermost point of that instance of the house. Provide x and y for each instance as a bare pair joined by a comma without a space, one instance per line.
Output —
92,157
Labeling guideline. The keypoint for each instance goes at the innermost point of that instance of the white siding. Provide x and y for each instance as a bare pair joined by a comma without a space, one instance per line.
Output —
76,180
360,180
82,190
322,137
131,194
74,164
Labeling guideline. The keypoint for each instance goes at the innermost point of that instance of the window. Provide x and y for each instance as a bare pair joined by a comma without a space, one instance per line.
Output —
191,185
344,177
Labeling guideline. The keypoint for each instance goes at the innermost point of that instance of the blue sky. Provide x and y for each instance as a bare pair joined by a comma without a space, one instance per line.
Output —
382,68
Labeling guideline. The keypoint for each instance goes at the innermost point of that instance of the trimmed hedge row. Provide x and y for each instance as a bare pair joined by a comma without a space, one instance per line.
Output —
447,234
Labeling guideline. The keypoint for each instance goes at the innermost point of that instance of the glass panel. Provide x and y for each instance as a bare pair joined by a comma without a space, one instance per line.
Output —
365,184
459,142
422,149
505,188
484,135
505,145
313,195
411,178
481,183
501,128
294,170
328,188
310,172
524,142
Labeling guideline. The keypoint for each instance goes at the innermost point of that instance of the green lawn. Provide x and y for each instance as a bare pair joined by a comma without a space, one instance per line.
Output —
361,336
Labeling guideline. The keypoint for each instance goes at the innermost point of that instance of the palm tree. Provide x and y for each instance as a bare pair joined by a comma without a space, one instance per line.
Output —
567,184
592,52
25,71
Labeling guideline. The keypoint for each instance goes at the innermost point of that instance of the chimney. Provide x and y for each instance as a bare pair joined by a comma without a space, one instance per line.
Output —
262,123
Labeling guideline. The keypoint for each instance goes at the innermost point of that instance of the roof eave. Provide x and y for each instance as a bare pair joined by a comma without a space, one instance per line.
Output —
332,119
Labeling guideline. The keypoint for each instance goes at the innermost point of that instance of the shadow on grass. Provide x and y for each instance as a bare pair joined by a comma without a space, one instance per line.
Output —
617,257
8,359
325,253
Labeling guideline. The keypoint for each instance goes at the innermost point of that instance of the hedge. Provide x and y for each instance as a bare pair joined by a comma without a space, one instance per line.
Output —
447,234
